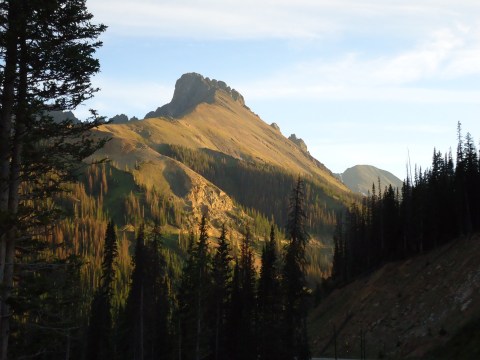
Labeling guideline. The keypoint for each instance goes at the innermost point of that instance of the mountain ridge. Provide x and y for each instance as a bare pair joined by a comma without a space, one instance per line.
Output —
192,89
244,167
226,125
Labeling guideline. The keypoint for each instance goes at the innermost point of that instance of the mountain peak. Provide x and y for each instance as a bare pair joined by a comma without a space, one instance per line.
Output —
192,89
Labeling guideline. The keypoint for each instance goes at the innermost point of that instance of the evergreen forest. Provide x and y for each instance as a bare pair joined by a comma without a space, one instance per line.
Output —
433,207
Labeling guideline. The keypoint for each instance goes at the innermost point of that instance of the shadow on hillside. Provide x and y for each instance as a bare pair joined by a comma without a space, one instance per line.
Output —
177,179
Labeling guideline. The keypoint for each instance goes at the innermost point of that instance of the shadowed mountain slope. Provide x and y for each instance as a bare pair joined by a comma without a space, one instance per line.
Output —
424,307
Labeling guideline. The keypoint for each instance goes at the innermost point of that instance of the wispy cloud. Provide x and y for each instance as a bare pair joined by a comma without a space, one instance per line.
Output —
213,19
445,54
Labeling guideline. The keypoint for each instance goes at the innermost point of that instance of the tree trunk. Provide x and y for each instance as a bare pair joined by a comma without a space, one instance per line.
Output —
67,351
141,323
217,331
179,339
11,162
13,192
7,103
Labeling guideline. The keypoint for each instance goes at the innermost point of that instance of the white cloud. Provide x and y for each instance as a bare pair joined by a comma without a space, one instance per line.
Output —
446,54
444,38
248,19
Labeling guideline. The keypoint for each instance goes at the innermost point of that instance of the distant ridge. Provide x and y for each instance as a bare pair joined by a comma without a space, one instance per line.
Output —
360,178
59,116
191,90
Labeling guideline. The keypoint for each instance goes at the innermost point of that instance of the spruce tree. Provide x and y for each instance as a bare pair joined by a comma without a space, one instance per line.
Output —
99,344
158,301
46,51
193,295
338,255
246,278
294,281
234,315
48,319
221,295
202,287
132,344
186,300
269,302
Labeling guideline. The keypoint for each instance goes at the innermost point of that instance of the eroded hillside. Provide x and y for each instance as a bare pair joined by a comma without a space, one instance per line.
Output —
424,307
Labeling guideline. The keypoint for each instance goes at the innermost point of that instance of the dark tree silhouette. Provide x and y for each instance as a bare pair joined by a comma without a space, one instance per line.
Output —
46,52
435,206
194,293
99,345
269,300
221,295
294,282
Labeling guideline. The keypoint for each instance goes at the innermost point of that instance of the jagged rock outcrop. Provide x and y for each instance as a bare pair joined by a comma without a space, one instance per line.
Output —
275,126
119,119
299,142
193,89
59,116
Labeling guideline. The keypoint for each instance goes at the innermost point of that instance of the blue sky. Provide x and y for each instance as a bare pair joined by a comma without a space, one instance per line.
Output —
362,82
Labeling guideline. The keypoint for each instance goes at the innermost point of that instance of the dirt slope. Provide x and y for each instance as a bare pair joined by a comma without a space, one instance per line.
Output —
407,309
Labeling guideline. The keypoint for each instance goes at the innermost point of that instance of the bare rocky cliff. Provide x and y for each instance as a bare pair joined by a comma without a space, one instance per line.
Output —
191,90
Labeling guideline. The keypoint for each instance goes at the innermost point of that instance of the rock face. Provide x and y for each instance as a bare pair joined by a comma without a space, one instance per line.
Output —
59,116
275,126
193,89
299,142
119,119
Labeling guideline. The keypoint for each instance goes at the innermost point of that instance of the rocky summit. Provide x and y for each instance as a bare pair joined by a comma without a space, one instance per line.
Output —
191,90
299,142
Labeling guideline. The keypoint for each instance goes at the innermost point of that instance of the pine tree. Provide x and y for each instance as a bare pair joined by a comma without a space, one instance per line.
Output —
294,281
338,255
48,306
234,315
244,301
132,344
269,302
47,50
193,296
186,300
201,286
221,294
99,332
157,300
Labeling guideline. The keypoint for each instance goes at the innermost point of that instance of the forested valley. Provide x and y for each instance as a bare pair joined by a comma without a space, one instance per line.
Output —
95,264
